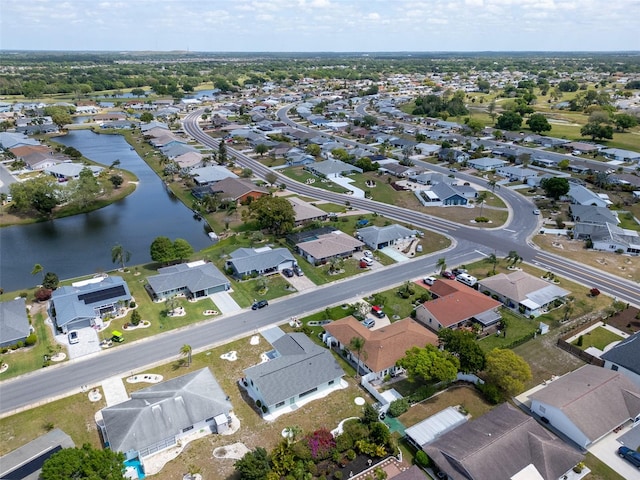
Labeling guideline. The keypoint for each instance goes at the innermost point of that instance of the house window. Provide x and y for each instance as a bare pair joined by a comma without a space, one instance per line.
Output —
614,368
187,429
308,392
331,382
279,404
210,419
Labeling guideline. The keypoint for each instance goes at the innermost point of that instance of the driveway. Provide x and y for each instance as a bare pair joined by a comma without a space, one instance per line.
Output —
89,343
300,283
225,303
607,451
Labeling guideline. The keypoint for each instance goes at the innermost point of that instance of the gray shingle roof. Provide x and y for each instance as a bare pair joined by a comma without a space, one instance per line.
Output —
164,410
246,260
626,353
14,323
500,444
195,278
374,236
302,365
595,399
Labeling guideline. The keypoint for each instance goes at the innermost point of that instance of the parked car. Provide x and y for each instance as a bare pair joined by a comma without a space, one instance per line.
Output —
449,275
369,322
259,304
630,455
458,271
287,272
536,212
73,337
368,253
367,260
298,271
377,311
429,280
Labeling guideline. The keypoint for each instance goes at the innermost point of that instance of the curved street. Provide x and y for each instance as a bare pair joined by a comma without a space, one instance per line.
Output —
468,244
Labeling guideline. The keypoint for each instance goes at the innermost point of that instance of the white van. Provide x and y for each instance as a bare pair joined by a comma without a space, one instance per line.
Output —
467,279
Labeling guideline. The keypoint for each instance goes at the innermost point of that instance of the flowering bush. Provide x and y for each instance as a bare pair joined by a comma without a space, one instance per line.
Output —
321,443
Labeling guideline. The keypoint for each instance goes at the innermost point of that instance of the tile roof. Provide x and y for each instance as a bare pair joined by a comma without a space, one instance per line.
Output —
595,399
500,444
301,366
383,346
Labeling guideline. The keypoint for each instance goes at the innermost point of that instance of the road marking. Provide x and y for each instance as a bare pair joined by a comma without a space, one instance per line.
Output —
481,253
507,230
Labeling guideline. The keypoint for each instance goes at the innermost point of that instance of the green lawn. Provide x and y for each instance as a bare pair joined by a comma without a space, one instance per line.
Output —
299,174
599,338
518,327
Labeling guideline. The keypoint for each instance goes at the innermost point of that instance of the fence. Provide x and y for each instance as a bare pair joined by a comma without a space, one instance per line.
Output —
578,352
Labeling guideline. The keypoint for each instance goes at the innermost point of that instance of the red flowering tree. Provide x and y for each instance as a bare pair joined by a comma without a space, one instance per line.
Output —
321,443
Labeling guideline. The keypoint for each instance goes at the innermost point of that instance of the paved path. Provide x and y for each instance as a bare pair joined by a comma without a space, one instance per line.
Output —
114,391
225,303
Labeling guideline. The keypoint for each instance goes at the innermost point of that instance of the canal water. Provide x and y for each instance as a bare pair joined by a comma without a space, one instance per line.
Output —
81,245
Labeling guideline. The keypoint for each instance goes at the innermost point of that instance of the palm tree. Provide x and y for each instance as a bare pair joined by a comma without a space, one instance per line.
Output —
356,345
513,258
120,255
441,264
481,198
171,303
493,260
492,184
37,268
185,351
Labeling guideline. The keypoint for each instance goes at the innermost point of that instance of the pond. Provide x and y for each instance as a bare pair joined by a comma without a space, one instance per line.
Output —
81,245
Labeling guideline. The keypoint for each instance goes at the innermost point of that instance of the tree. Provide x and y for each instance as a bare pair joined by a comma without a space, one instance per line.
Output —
50,280
464,346
474,124
507,371
271,178
254,465
146,117
86,188
185,351
182,250
509,121
356,345
60,115
222,152
514,258
596,131
555,187
116,181
136,318
84,463
493,260
37,268
624,121
261,149
162,250
274,214
430,364
39,194
313,149
120,255
538,123
441,264
481,198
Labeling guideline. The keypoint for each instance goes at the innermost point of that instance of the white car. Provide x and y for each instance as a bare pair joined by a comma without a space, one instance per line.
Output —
536,212
367,253
429,280
367,260
73,337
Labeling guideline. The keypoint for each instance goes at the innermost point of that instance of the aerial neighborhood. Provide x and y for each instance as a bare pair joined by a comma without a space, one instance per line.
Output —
271,268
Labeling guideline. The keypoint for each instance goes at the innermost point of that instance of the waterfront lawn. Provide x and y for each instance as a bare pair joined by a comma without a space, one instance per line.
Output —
598,337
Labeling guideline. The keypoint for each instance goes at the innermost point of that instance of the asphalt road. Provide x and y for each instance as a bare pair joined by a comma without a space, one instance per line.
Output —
468,244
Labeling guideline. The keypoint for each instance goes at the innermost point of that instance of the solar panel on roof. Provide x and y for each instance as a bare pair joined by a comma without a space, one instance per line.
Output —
99,296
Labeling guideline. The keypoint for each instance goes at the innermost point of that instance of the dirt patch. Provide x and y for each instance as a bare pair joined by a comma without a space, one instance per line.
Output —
620,265
627,320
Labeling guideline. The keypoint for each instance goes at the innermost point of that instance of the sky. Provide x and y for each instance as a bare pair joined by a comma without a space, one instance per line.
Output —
320,25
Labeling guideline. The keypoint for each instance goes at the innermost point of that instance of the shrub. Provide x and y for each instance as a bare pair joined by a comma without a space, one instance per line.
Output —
594,292
337,475
481,219
24,294
344,442
351,455
132,304
321,443
398,407
31,339
580,341
42,294
135,318
422,459
490,392
579,467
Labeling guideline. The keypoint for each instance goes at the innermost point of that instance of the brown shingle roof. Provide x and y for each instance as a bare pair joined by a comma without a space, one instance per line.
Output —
237,187
386,345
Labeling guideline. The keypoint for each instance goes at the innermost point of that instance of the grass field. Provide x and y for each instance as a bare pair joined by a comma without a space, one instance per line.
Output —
599,338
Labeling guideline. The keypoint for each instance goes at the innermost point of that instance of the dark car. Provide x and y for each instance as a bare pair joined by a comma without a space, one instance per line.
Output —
377,311
298,271
287,272
449,275
458,271
630,455
259,304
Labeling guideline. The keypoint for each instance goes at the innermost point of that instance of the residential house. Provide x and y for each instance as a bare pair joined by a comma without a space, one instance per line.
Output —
238,190
379,237
383,347
443,194
581,147
453,156
432,178
177,149
194,280
583,196
588,403
486,164
157,417
523,292
398,170
332,168
189,160
427,148
296,157
306,212
297,370
210,174
625,358
71,171
259,261
611,238
86,303
40,161
24,150
324,247
517,174
428,430
502,444
457,305
621,155
590,220
14,322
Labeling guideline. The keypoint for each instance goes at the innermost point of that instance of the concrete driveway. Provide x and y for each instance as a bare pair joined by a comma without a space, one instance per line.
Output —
89,342
607,451
300,283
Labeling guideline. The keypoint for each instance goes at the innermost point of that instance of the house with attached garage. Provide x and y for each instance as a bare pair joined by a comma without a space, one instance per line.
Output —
296,372
621,155
259,261
157,417
379,237
238,190
383,347
456,305
583,196
486,164
14,322
588,403
443,194
326,246
503,444
523,292
625,358
87,303
194,280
